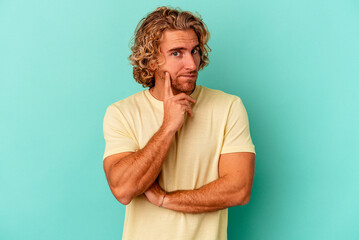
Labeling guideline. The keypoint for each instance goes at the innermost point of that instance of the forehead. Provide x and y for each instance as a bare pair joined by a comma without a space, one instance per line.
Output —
178,39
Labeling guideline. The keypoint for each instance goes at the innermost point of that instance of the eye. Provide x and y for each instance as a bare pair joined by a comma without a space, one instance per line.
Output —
194,51
176,54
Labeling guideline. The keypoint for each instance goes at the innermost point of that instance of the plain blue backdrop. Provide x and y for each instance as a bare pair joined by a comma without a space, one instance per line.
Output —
293,63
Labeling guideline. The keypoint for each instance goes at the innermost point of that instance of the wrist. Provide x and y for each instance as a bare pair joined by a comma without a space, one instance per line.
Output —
162,199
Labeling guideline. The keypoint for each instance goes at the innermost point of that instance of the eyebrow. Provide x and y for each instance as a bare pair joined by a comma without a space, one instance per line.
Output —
181,48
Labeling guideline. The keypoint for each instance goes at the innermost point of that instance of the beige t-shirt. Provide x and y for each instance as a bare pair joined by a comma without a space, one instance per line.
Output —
220,125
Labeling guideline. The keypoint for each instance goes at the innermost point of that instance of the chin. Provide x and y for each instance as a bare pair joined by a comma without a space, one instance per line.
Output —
187,88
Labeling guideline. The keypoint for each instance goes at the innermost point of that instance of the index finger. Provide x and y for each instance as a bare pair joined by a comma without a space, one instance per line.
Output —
167,88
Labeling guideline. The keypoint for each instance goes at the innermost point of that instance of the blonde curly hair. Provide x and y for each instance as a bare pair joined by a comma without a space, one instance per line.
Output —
148,34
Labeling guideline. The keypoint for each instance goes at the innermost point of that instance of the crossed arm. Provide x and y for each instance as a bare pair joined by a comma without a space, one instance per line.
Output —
131,174
233,187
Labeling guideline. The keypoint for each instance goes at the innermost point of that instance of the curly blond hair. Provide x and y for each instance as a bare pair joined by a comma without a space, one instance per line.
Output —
148,34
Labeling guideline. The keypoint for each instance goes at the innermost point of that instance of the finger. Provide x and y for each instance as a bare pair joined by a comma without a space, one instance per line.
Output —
184,102
187,108
144,194
167,90
182,96
190,112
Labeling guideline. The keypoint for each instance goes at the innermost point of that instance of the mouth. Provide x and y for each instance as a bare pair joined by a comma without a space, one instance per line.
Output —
189,75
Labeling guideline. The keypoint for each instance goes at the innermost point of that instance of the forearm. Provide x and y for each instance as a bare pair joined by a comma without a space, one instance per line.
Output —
132,175
219,194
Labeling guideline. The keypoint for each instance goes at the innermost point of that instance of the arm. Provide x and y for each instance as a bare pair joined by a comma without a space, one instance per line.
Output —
233,187
130,174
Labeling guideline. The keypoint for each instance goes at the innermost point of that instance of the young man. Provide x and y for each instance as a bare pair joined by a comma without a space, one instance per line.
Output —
177,154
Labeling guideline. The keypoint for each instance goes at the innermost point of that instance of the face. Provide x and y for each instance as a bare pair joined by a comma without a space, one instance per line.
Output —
180,58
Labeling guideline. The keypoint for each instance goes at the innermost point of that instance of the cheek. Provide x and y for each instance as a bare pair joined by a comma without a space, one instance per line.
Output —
174,68
198,60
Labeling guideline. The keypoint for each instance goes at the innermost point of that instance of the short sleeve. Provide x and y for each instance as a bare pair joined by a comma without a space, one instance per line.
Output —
237,137
118,137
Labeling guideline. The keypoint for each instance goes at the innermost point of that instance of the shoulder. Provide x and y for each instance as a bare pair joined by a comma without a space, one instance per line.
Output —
127,103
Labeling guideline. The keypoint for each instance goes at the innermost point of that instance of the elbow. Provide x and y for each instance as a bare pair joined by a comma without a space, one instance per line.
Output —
121,184
244,194
123,194
121,191
243,197
123,200
244,200
124,197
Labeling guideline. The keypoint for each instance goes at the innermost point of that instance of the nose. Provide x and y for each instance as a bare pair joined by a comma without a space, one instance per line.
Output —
190,63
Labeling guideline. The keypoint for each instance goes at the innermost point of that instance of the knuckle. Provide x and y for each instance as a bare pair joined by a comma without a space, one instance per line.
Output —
189,98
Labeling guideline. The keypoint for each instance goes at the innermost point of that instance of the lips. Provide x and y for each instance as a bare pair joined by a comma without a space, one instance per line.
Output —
189,75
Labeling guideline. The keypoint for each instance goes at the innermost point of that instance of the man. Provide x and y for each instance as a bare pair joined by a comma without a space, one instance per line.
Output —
177,154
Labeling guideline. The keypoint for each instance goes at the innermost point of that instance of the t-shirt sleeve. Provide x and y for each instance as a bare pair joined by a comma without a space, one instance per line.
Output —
118,137
237,137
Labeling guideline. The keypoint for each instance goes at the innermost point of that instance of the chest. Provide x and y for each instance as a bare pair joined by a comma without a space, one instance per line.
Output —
192,160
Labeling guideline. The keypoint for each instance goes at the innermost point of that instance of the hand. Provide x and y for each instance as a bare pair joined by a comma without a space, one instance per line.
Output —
175,107
154,194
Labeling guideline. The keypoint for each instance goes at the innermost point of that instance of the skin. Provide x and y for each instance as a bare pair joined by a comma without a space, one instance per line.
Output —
134,173
180,54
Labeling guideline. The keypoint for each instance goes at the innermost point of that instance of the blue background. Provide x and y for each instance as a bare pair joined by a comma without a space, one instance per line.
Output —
293,63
